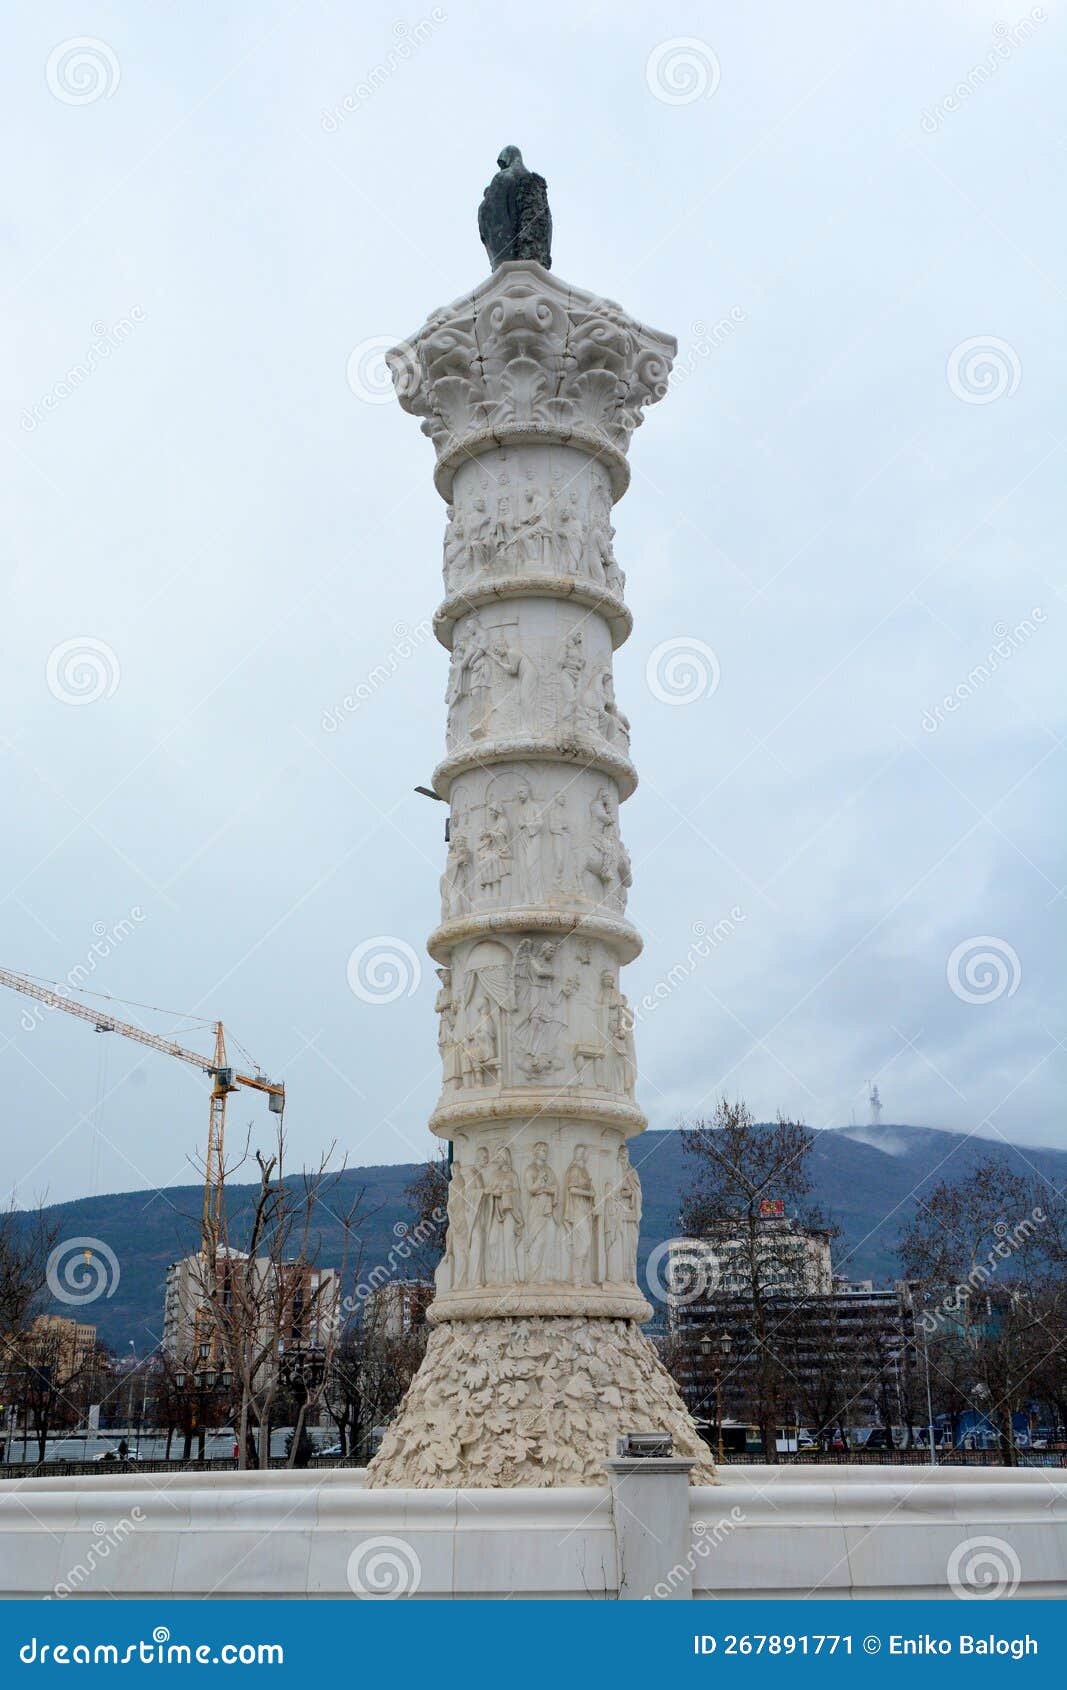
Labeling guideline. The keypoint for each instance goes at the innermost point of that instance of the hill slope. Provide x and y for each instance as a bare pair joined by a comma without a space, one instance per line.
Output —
866,1179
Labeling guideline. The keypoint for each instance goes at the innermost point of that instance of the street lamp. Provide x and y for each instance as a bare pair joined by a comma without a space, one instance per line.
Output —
204,1381
718,1353
301,1370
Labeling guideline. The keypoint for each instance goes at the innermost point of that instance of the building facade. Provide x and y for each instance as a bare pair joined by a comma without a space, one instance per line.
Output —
808,1349
303,1305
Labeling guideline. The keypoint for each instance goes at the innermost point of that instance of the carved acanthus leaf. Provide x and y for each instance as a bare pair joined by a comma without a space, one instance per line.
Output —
527,350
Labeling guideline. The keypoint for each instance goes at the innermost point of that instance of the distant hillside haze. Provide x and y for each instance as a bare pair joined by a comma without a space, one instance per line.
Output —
865,1179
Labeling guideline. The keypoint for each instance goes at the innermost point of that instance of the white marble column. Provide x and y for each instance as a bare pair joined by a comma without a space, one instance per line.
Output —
530,391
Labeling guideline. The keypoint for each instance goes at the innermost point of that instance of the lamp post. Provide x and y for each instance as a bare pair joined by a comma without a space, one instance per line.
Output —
205,1381
718,1353
301,1370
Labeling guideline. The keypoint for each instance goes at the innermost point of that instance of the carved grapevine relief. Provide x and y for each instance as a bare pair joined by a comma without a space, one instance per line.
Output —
531,1401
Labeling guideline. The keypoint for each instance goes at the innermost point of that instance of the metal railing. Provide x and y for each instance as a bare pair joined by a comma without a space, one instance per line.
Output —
214,1464
903,1458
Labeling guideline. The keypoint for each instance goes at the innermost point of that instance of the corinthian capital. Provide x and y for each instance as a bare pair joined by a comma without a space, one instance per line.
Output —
528,357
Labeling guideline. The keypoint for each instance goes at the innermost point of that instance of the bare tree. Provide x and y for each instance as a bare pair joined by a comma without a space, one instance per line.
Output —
27,1238
372,1368
746,1175
27,1376
428,1195
985,1255
269,1310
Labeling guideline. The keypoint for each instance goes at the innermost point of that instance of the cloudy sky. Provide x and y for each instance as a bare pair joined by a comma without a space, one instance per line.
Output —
846,512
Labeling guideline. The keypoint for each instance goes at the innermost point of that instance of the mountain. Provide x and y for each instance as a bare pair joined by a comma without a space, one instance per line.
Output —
866,1179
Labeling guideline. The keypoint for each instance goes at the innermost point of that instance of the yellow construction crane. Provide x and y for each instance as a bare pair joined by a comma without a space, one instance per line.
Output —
224,1079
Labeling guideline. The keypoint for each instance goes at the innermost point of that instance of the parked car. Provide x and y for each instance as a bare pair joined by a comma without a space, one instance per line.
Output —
877,1437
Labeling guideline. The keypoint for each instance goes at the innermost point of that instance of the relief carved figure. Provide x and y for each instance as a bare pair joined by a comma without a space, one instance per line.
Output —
580,1219
485,999
535,531
504,1226
477,1216
455,548
470,675
478,668
500,554
459,866
481,1044
520,709
502,681
612,725
599,554
569,537
533,534
516,840
560,875
530,829
622,1221
447,1040
457,679
607,864
542,1229
457,1235
541,1021
494,851
618,1024
572,681
479,536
